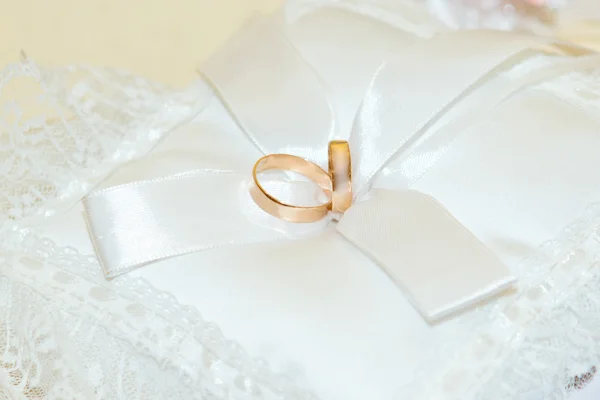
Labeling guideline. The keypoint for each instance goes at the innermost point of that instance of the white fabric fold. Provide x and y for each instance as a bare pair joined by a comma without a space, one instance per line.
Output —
164,217
408,96
261,78
283,107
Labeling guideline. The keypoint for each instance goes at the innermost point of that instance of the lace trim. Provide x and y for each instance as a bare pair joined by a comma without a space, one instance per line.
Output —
506,356
558,344
77,126
147,329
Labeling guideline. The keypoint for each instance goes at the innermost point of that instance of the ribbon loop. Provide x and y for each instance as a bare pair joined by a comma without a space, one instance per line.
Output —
273,94
406,97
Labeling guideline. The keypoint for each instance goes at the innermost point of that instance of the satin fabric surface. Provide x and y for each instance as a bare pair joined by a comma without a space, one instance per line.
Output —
317,308
440,266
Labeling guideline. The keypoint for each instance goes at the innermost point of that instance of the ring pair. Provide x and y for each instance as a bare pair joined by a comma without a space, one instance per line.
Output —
336,184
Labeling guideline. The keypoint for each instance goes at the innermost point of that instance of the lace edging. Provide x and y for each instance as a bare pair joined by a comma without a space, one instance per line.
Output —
152,321
77,126
533,337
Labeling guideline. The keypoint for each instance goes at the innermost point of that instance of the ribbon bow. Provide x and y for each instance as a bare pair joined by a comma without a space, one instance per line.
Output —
283,106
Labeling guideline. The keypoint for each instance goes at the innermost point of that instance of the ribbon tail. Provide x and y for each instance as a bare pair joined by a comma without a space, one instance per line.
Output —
145,221
441,266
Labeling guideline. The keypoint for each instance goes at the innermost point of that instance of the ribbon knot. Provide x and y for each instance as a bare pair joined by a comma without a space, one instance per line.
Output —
283,106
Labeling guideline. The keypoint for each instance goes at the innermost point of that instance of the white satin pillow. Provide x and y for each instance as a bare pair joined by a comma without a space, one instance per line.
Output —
324,313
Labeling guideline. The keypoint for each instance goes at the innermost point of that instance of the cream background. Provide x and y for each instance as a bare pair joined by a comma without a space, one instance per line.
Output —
164,40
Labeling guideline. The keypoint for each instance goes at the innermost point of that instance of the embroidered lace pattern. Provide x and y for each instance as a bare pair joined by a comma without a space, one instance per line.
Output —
66,332
74,127
78,335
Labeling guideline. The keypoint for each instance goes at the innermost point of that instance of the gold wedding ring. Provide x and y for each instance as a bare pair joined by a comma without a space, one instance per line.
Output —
281,210
340,169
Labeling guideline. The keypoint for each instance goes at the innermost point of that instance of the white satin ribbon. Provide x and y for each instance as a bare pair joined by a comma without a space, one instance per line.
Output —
283,107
